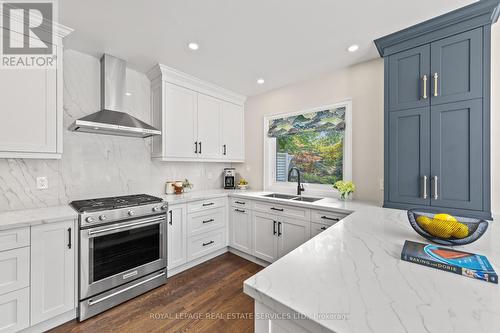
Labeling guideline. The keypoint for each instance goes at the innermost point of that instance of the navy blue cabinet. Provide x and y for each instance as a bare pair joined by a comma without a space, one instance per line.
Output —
409,161
437,112
409,78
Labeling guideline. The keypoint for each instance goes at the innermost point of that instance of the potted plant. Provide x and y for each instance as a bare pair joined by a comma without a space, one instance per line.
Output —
186,185
345,188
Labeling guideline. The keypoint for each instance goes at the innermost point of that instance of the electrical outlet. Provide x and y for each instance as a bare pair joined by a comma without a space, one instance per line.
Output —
42,183
381,184
210,175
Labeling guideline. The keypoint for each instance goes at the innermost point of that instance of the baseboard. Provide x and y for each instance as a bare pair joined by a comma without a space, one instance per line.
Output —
51,323
249,257
196,262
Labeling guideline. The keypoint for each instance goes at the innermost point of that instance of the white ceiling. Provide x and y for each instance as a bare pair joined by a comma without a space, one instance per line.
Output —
283,41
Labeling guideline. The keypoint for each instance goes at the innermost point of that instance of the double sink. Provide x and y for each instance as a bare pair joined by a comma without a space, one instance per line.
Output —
291,197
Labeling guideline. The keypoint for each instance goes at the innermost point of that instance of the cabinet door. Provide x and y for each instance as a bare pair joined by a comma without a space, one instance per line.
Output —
291,234
264,236
233,146
406,78
15,311
52,270
240,230
177,236
29,111
457,155
209,127
409,156
317,228
458,63
179,135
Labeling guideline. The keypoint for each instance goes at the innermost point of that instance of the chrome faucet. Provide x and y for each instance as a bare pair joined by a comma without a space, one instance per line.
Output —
300,187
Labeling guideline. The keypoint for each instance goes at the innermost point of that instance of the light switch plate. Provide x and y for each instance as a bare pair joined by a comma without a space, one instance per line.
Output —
381,184
42,183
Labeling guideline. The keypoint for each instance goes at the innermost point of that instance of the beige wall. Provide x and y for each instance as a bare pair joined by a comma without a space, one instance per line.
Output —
364,84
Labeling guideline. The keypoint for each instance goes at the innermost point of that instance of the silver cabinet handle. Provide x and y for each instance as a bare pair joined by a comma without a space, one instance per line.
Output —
424,79
435,183
126,226
436,77
424,187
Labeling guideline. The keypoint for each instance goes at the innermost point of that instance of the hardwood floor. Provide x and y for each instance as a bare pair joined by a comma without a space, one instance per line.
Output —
205,298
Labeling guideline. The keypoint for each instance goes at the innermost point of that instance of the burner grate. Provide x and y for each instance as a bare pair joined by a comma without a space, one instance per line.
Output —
100,204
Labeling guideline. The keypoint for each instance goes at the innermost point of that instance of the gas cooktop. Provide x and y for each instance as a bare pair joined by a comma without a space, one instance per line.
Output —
101,204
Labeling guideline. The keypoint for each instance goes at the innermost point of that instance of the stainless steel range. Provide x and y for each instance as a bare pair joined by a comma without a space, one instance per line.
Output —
123,250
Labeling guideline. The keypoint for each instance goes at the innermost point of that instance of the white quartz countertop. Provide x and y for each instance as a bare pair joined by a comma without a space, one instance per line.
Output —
174,199
29,217
352,272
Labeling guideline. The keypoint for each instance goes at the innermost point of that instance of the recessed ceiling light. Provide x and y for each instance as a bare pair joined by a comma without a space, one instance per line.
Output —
260,81
128,94
193,46
353,48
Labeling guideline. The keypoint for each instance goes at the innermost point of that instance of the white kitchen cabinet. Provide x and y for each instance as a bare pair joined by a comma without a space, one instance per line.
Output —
317,228
177,236
291,234
178,124
14,269
52,270
209,127
232,131
32,107
15,311
240,229
264,236
199,121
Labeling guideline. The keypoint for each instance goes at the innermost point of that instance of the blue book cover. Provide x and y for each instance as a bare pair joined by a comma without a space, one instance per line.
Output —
463,263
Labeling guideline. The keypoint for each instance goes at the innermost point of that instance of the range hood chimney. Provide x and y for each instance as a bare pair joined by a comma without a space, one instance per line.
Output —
111,120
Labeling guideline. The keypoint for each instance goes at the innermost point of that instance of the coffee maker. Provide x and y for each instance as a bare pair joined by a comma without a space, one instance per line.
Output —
229,178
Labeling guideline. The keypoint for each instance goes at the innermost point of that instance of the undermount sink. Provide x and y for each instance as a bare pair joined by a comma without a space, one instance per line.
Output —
306,199
291,197
280,196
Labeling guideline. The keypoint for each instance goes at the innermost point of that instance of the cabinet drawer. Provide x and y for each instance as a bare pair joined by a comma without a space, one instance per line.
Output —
242,203
205,220
14,311
326,217
317,228
14,269
12,239
201,245
205,204
282,210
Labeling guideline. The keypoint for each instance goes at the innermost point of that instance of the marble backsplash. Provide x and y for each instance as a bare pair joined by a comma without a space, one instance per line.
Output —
96,165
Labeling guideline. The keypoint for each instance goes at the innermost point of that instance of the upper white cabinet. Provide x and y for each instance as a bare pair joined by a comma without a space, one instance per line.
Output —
199,121
32,107
52,270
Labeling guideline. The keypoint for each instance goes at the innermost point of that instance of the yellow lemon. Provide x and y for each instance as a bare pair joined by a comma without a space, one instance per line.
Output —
439,229
462,231
445,217
423,221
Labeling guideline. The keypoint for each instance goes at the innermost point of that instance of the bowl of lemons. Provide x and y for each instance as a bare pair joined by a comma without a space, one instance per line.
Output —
446,229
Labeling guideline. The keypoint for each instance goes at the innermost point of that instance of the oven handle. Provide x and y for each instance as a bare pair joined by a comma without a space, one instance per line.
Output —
99,300
126,226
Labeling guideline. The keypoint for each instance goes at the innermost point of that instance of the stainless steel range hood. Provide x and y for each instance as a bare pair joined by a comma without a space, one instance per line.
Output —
110,120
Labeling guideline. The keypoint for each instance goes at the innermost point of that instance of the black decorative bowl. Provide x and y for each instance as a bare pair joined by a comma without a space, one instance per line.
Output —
475,227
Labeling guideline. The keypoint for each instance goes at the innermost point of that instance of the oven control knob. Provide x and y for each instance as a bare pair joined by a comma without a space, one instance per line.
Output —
156,209
102,217
164,207
89,219
131,213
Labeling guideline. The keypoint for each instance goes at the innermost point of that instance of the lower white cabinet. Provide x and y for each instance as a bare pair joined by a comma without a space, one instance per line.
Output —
15,311
52,270
177,236
317,228
206,243
240,229
264,236
291,234
14,269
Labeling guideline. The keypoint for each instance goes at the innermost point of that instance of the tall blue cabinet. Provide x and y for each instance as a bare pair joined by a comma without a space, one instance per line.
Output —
437,112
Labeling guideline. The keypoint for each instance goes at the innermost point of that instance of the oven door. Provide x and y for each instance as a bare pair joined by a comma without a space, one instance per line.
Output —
112,255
